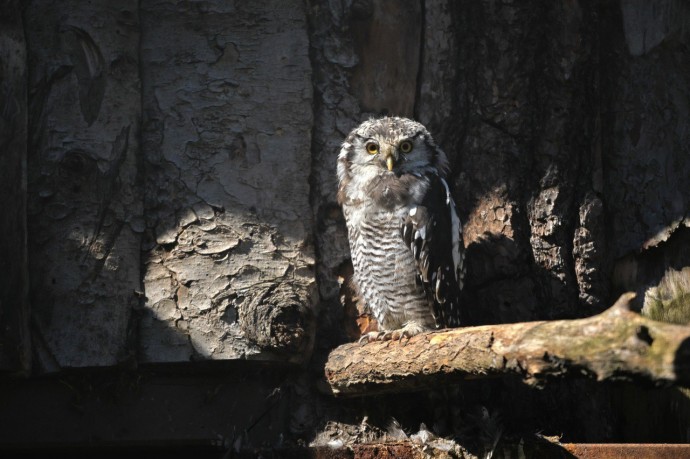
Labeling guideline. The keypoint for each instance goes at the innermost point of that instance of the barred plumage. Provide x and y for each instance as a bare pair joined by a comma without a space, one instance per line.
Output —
404,233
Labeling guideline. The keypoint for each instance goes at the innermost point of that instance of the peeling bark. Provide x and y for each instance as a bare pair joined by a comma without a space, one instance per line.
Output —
615,345
227,128
84,200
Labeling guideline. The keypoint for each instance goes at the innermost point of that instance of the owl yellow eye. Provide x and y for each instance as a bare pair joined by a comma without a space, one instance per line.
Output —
372,147
406,146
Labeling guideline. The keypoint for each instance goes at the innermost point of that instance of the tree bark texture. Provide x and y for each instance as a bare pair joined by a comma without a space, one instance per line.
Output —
646,137
615,345
85,206
14,279
228,261
169,182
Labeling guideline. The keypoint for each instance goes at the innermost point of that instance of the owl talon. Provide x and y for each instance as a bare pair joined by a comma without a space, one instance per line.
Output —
371,336
391,335
405,334
399,335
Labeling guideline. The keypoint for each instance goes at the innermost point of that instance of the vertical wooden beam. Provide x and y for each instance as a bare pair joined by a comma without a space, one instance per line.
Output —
85,204
14,308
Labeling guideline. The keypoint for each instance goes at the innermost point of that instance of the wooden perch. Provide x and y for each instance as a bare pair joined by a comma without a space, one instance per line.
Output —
617,344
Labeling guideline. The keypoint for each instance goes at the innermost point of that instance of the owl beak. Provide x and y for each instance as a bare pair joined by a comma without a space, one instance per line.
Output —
389,154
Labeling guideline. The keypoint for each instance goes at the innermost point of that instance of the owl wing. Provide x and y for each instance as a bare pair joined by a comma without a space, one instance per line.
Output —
433,232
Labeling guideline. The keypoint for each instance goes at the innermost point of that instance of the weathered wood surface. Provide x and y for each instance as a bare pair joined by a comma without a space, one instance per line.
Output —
14,276
617,344
227,147
218,187
84,200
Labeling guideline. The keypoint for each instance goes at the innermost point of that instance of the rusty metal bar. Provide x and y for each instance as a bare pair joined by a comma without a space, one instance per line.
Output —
628,451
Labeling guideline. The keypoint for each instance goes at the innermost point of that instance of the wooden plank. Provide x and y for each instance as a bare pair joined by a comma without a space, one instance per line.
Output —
14,307
85,203
227,145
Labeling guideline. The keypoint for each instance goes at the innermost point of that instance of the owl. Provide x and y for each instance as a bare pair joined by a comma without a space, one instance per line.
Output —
404,233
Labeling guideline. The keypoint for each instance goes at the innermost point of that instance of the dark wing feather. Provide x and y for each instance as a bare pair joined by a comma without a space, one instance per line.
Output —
434,234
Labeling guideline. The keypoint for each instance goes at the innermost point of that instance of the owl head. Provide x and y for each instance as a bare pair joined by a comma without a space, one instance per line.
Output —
389,147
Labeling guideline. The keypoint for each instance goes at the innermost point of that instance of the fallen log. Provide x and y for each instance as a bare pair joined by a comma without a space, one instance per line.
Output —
617,344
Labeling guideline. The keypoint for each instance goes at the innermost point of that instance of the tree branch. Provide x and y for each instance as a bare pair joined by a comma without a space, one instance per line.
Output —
617,344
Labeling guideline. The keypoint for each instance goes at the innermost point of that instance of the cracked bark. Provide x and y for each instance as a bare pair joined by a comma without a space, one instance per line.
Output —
616,345
168,167
227,254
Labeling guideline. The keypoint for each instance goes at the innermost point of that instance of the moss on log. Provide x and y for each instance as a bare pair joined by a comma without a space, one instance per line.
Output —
617,344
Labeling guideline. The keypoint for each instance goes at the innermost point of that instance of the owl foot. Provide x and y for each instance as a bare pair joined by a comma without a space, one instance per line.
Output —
397,335
371,336
407,331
